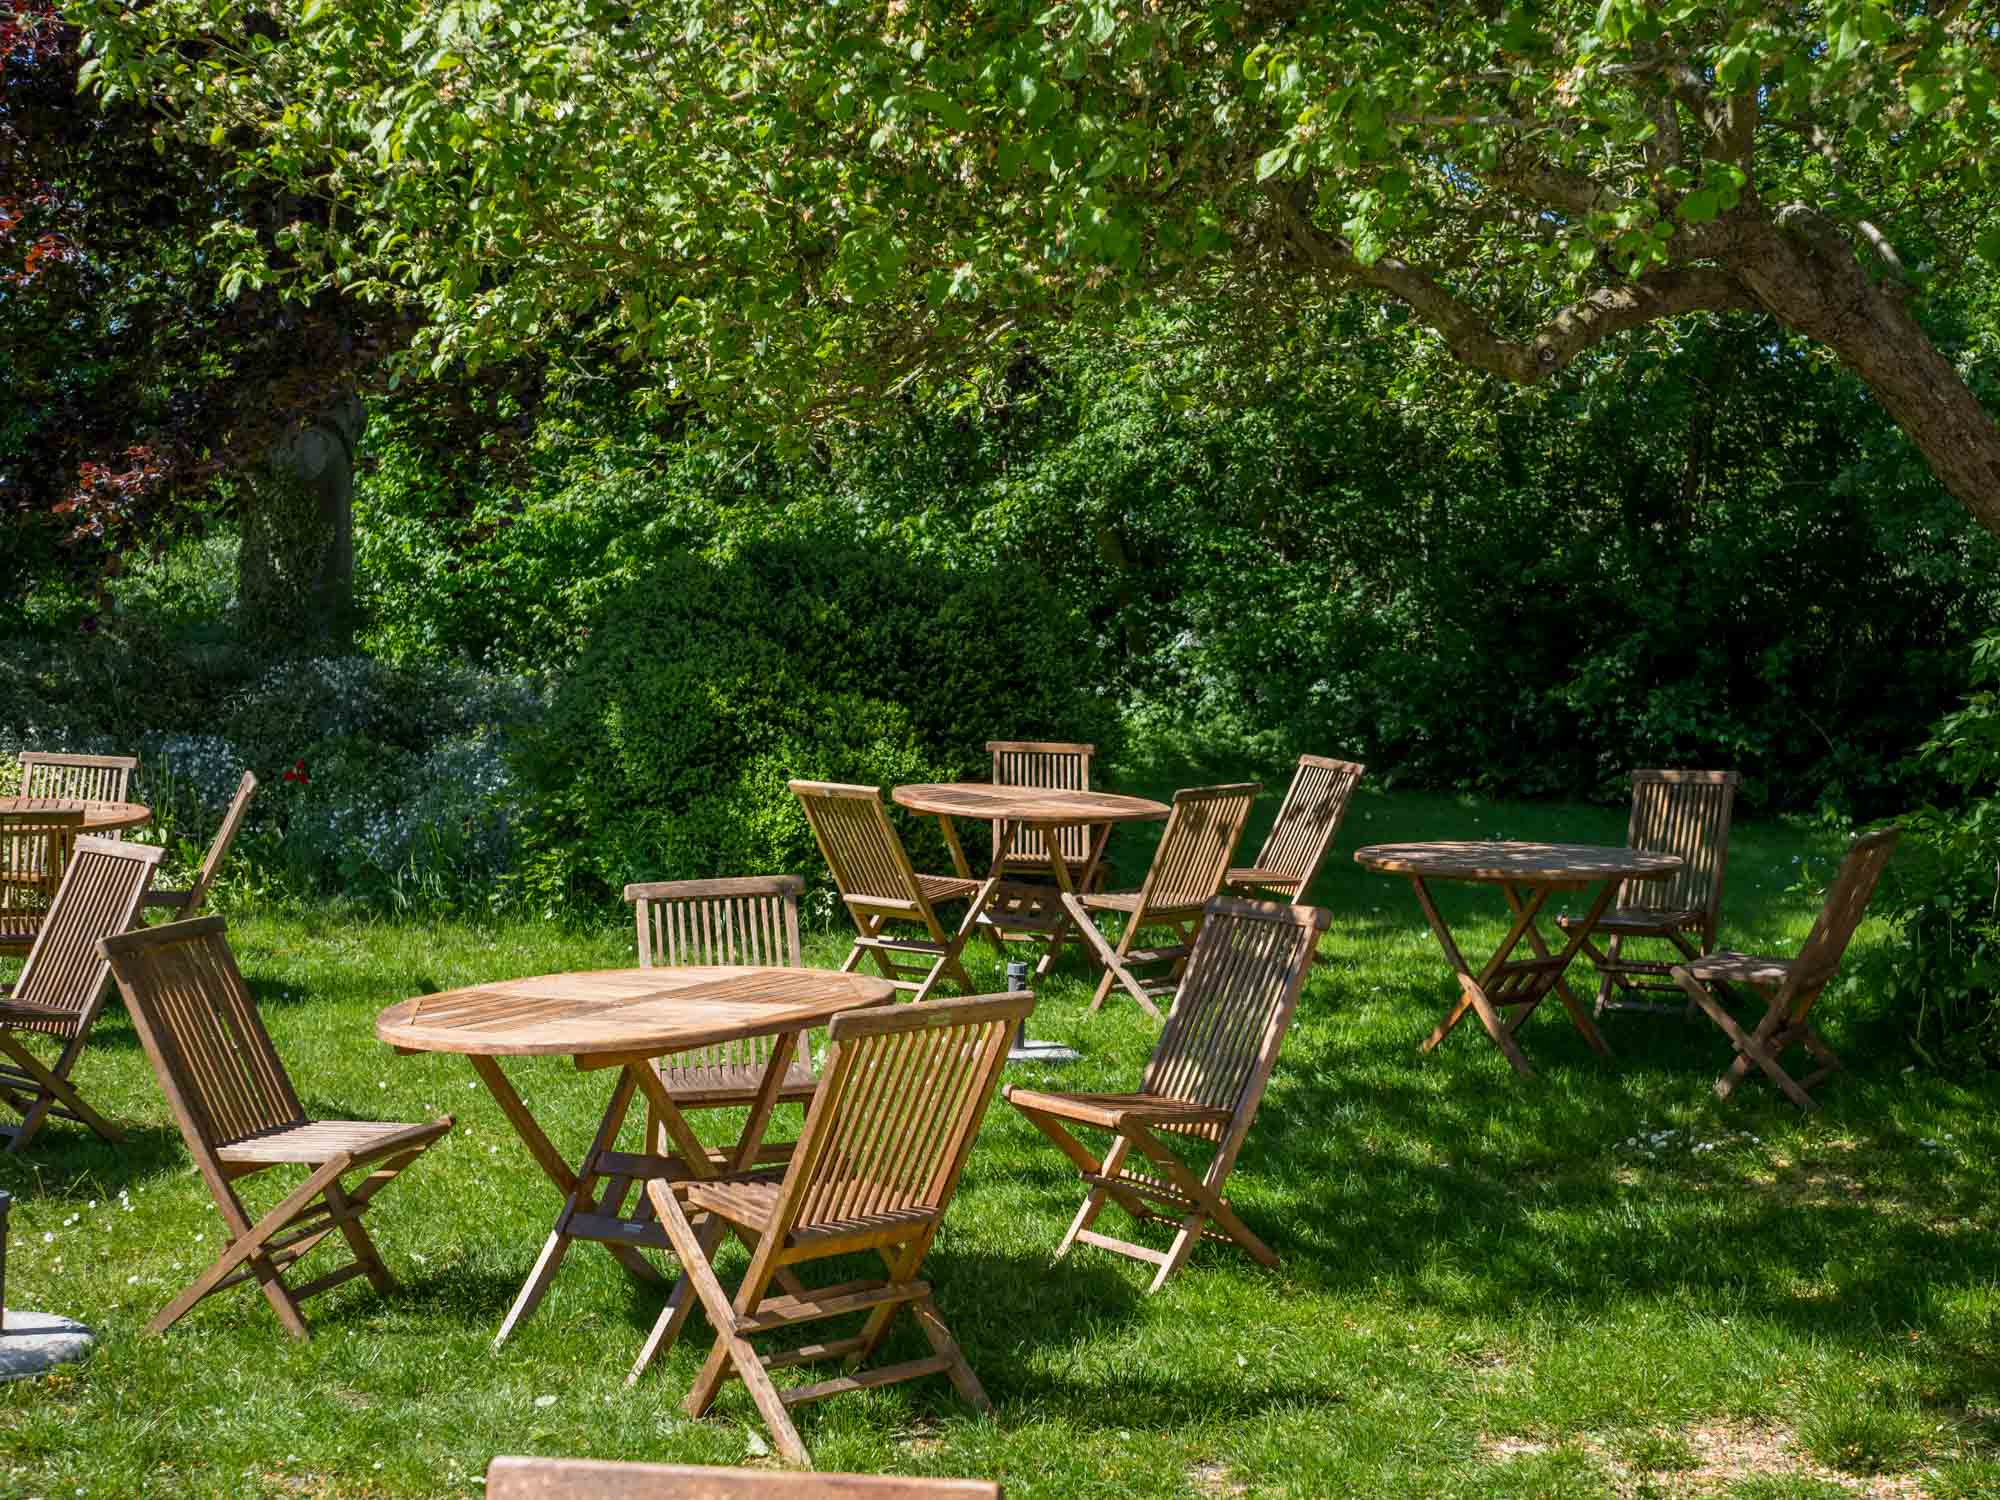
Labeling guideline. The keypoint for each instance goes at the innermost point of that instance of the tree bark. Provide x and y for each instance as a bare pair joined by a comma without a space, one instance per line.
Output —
295,567
1807,275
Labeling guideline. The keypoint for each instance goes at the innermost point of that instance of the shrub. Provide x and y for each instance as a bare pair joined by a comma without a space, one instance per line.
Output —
1940,975
708,684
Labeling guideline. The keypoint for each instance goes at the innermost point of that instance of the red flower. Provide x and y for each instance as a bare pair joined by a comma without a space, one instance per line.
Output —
298,773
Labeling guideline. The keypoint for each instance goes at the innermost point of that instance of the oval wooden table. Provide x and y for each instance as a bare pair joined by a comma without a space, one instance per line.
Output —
1528,874
1008,908
98,817
624,1018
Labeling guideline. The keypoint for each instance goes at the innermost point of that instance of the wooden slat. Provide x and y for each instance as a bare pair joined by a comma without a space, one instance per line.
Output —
1308,819
591,1479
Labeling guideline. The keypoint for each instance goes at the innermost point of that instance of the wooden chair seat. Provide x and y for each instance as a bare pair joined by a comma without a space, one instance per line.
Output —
319,1141
1203,1083
938,888
1637,921
49,1020
1113,1111
752,1201
1263,878
1743,968
733,1085
1186,874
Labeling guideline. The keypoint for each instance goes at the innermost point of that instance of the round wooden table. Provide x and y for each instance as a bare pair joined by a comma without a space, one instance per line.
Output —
1528,874
98,817
623,1018
1006,910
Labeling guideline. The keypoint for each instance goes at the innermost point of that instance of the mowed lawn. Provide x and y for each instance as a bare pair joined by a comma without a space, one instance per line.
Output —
1603,1282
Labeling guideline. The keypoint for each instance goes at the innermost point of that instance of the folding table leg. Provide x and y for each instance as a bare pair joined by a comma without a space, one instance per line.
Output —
1472,993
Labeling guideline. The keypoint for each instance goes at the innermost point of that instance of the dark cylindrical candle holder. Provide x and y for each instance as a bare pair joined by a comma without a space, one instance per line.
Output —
6,1207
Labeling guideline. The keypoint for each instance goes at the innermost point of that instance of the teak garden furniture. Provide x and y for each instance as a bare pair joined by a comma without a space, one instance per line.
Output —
34,851
509,1478
188,903
878,885
1527,874
885,1139
1006,904
1204,1082
100,819
1042,766
240,1115
1186,874
1673,812
87,778
1790,986
1307,821
750,919
623,1019
64,980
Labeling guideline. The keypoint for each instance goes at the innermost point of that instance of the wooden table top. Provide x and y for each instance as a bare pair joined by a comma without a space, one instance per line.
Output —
98,817
1025,804
1512,862
625,1012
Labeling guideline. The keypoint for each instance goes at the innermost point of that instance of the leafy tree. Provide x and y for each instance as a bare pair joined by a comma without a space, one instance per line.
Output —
785,211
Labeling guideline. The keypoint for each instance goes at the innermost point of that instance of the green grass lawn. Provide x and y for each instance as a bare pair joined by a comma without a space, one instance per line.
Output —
1603,1282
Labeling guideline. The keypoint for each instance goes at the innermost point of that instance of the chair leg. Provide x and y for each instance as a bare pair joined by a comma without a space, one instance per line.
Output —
359,1241
52,1088
946,1347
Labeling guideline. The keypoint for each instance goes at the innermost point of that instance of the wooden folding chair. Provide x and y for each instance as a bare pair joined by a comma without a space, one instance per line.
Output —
34,852
188,903
875,879
1187,871
1789,986
509,1478
885,1139
1308,819
1204,1082
86,778
64,981
239,1115
1673,812
751,919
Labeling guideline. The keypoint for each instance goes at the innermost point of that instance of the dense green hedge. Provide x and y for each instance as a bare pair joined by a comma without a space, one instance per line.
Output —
709,683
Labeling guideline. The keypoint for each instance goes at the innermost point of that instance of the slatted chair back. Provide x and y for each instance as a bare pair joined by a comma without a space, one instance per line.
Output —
1050,764
88,778
859,843
232,823
1845,905
1235,1003
751,919
510,1478
34,852
1308,818
64,977
1196,846
1685,813
899,1101
200,1026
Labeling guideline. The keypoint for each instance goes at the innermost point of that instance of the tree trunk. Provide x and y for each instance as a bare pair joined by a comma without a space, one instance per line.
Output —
295,568
1807,275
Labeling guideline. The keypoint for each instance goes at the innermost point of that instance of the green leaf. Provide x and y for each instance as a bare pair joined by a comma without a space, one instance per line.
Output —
945,108
1701,205
1582,255
1273,162
1927,95
1988,246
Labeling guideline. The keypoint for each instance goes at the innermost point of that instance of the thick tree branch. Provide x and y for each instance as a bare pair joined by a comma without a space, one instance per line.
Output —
1583,325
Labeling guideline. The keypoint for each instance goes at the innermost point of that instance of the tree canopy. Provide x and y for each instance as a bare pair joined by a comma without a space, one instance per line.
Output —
785,212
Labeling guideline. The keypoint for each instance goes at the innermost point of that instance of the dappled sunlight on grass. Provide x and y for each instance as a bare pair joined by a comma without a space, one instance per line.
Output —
1600,1282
